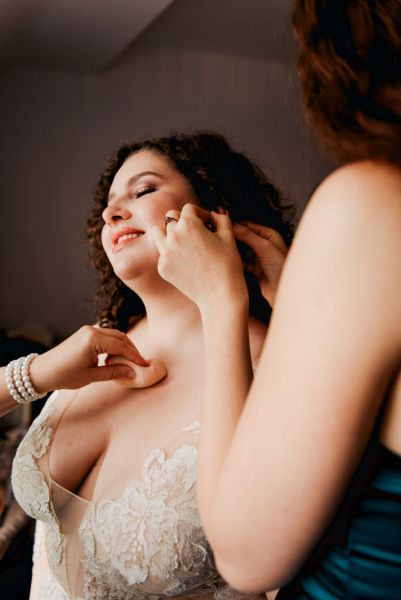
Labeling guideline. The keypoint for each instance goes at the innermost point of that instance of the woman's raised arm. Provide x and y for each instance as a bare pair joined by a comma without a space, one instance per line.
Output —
332,348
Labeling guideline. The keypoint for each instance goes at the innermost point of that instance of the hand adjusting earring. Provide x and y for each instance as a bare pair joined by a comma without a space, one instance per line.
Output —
168,220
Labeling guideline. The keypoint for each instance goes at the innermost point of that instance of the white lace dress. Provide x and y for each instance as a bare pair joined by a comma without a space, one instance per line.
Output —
145,544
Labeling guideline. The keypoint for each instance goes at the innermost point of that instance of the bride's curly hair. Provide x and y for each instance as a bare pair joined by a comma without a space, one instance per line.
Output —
349,63
219,176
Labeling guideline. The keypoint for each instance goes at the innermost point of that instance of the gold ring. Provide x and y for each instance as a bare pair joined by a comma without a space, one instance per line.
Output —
168,220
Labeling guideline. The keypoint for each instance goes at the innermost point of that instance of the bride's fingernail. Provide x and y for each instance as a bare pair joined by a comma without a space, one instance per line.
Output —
221,210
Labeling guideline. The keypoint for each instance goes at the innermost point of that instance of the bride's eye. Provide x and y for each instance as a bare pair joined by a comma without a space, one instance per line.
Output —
145,189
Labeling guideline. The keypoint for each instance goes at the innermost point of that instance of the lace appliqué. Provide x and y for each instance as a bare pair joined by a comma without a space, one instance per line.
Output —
152,535
146,545
29,485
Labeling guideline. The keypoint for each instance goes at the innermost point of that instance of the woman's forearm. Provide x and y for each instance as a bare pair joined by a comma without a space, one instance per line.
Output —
227,378
7,403
74,363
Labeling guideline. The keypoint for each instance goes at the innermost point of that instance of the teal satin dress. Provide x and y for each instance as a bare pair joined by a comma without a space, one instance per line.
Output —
366,563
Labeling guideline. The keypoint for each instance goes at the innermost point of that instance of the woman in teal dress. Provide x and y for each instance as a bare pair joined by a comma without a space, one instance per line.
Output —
299,482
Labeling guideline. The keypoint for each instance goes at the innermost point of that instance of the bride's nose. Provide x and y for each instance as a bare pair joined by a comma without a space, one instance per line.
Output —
115,212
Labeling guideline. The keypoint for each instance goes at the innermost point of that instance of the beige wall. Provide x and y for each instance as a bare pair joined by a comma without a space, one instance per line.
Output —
57,129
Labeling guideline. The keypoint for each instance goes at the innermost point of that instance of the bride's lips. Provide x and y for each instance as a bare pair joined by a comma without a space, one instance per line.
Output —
125,236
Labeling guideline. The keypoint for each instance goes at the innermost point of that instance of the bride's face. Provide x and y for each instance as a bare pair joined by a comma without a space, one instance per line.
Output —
143,190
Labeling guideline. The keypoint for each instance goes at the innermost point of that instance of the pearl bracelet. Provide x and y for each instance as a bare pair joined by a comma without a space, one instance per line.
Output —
18,380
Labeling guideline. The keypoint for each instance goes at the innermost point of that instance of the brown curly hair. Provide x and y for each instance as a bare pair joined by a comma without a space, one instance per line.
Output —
350,67
219,176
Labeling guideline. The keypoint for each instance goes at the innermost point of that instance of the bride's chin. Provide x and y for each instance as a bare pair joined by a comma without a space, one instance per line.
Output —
135,276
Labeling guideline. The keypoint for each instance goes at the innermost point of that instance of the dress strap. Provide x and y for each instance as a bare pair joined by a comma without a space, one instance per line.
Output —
194,427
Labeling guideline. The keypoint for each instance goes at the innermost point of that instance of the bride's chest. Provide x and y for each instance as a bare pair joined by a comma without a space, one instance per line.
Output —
104,441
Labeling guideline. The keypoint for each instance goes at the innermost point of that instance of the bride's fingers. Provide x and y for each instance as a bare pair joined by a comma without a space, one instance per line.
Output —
189,210
193,210
172,216
211,219
159,237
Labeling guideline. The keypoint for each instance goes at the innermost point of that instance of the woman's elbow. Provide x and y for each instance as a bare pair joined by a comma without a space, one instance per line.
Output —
253,576
246,564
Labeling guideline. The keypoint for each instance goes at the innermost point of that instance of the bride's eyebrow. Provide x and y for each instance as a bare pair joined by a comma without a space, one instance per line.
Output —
135,178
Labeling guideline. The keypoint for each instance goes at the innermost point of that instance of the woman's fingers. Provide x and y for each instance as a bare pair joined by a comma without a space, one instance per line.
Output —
121,348
261,241
270,254
222,221
74,363
266,233
109,372
141,377
116,333
113,342
118,347
253,240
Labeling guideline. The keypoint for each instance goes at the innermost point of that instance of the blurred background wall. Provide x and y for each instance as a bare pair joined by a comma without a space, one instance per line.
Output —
78,77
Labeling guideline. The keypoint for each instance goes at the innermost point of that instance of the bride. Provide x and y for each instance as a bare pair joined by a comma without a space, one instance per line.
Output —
109,467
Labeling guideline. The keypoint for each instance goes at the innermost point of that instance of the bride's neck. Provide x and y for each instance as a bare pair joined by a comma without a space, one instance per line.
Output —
172,323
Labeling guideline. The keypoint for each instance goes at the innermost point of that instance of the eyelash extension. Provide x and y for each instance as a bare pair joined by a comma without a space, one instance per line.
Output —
148,189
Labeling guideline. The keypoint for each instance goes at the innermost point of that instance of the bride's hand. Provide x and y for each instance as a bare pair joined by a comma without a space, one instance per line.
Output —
74,363
270,254
204,265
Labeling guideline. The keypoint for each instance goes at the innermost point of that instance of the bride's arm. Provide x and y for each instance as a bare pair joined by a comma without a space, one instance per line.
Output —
228,367
224,313
228,372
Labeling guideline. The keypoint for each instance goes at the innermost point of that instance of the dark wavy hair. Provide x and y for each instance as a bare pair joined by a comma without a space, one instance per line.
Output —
219,176
350,67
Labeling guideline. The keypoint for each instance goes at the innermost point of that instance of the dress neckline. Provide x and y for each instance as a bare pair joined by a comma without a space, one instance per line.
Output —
152,453
194,426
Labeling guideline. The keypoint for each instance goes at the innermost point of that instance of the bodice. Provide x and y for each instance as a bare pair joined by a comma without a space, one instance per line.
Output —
144,543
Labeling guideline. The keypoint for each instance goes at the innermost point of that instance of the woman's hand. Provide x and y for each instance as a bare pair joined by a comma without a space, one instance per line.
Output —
270,253
203,264
74,363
